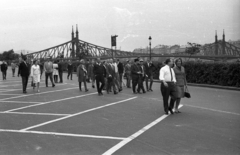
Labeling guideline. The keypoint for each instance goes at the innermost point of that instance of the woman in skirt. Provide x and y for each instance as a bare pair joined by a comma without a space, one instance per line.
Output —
55,72
35,74
181,82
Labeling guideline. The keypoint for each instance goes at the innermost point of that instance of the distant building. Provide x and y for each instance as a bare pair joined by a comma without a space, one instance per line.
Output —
162,49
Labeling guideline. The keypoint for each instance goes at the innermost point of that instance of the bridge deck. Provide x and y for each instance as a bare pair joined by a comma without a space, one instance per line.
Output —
63,120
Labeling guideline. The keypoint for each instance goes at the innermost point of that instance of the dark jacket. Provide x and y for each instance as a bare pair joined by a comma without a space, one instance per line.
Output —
120,68
134,70
99,70
4,67
60,67
70,67
149,69
24,69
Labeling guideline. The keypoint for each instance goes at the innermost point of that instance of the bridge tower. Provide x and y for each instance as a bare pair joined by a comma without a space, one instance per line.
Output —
216,44
76,41
73,43
223,44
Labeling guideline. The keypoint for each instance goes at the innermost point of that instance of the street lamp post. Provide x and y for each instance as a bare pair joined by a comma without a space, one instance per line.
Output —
150,38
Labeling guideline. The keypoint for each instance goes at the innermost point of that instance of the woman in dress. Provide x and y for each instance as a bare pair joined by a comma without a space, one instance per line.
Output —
82,75
55,72
181,82
35,74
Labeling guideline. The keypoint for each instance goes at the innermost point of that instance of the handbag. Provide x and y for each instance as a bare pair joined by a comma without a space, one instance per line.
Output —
186,93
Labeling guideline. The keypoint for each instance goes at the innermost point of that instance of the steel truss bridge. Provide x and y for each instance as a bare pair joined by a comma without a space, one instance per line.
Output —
78,49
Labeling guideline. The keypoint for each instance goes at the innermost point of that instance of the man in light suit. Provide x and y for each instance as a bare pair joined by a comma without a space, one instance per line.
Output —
48,68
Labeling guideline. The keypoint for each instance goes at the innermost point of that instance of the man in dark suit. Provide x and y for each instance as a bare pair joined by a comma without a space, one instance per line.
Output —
149,74
4,68
24,71
60,71
99,72
135,71
120,72
70,69
141,77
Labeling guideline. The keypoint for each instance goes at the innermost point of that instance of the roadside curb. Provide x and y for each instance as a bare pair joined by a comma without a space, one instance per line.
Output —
210,86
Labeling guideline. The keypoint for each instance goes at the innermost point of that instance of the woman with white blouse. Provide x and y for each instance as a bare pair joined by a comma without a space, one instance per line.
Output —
35,74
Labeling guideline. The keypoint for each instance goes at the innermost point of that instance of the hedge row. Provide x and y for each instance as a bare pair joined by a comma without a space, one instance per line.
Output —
224,74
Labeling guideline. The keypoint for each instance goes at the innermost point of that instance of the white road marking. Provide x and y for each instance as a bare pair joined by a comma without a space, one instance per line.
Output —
31,113
215,110
9,82
49,102
63,134
135,135
19,102
38,93
82,112
10,85
11,94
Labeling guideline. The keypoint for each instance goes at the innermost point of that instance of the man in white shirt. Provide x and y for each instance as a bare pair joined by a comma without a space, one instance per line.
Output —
168,80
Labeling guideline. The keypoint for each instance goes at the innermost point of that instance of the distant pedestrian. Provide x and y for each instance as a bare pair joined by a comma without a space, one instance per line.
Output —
4,68
90,73
35,74
13,65
55,71
99,72
120,72
135,73
41,68
24,71
168,80
82,75
70,69
60,71
141,77
128,74
149,74
48,68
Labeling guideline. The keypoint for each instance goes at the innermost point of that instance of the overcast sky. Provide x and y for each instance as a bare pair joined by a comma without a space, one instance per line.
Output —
39,24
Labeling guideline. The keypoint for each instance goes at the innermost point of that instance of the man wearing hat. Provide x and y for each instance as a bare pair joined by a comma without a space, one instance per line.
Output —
135,71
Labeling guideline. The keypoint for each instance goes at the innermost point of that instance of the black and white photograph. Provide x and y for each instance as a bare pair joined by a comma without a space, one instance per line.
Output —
120,77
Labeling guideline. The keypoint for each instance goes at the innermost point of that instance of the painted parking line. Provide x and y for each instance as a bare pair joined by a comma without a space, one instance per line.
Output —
135,135
76,114
9,82
38,93
10,85
19,102
63,134
50,102
31,113
215,110
11,94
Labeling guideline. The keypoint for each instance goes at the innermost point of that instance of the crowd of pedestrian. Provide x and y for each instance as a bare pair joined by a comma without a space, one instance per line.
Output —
108,75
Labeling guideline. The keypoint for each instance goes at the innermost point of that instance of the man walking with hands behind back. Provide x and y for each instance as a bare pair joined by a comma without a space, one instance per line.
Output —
168,80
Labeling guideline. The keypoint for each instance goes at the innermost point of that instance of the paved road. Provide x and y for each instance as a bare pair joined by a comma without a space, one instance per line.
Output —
63,120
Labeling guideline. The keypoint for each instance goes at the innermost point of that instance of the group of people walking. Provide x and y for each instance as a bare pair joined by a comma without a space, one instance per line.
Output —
108,75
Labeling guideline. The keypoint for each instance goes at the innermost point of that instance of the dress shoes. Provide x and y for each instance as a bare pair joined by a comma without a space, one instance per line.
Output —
170,110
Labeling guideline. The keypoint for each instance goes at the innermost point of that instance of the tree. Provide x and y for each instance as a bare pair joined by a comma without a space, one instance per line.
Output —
9,55
193,49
